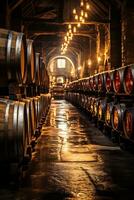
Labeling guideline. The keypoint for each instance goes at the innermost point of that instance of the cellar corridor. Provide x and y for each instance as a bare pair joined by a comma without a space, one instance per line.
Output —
73,160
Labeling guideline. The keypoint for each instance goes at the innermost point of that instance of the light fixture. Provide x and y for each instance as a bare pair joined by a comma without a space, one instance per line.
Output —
79,15
87,6
85,15
83,20
81,3
69,26
76,17
82,13
74,29
74,11
79,24
99,59
89,62
65,38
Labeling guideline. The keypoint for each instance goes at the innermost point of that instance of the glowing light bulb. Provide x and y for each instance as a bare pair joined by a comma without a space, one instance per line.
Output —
87,6
99,59
74,11
69,26
74,29
65,38
83,20
86,15
82,13
76,17
79,24
81,3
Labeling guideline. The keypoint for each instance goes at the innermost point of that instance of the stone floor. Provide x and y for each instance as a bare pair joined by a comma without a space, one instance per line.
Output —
73,160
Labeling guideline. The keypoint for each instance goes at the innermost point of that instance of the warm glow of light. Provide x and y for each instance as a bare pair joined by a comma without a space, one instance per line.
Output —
87,6
79,68
79,24
69,26
74,11
74,29
76,17
65,38
83,20
82,13
99,59
86,15
67,34
81,3
89,62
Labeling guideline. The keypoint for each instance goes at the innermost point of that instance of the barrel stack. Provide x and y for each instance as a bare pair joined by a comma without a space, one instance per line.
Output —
107,97
24,97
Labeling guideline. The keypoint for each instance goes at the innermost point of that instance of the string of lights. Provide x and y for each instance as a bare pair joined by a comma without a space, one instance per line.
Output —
80,15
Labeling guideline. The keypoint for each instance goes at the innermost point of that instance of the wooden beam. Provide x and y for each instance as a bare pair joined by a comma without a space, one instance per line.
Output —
11,9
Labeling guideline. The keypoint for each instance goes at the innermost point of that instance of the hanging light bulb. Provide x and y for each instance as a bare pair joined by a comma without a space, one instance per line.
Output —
87,6
83,20
69,26
82,13
70,31
76,17
65,38
67,34
79,25
74,29
81,3
86,15
74,11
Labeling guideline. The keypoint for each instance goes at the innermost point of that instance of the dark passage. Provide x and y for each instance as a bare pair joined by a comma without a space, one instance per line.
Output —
73,160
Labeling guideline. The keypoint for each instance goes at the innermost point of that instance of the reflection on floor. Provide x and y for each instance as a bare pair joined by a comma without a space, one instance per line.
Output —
73,160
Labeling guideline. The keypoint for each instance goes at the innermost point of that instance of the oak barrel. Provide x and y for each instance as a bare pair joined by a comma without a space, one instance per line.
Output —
13,131
13,56
30,62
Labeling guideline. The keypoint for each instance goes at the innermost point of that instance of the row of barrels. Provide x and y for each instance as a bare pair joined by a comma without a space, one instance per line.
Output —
118,81
20,122
19,62
114,117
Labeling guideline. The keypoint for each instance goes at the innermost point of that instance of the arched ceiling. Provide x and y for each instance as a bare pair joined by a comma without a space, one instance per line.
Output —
45,21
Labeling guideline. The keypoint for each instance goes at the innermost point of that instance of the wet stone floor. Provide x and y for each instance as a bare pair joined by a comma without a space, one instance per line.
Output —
73,160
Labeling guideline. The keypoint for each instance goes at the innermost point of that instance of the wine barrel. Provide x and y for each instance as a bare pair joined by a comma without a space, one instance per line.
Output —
87,84
95,83
128,79
29,119
101,82
91,83
128,123
33,114
88,103
118,80
101,109
109,81
117,117
92,105
37,69
109,107
38,108
95,107
13,131
30,62
13,56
